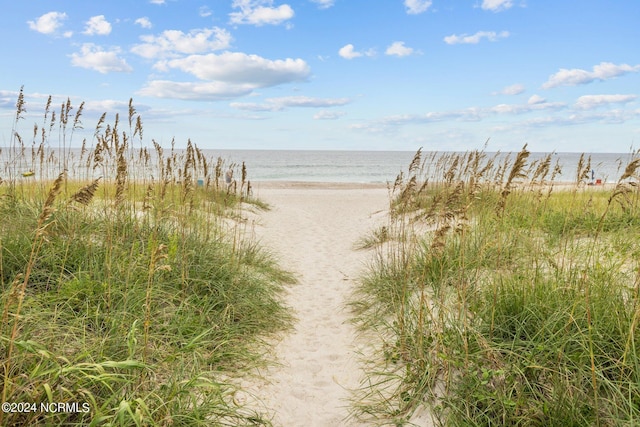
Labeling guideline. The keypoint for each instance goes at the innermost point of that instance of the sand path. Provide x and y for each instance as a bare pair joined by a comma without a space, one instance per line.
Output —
312,230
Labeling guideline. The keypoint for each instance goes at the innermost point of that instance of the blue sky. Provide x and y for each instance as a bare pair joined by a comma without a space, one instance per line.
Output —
335,74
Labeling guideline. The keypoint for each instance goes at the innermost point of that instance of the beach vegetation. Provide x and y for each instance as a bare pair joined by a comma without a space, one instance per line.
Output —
510,296
131,293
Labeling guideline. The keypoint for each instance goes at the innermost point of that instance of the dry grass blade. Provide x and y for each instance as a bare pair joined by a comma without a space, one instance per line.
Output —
415,163
86,193
583,169
517,171
630,170
48,209
20,105
132,112
121,173
77,124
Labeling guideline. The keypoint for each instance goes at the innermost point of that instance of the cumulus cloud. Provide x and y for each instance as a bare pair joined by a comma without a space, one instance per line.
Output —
237,67
515,89
170,43
399,49
97,26
349,52
260,12
536,99
279,104
588,102
96,58
492,36
324,4
227,75
496,5
143,22
577,76
49,23
415,7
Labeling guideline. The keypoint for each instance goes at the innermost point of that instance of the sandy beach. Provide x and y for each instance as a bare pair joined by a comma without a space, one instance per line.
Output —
312,228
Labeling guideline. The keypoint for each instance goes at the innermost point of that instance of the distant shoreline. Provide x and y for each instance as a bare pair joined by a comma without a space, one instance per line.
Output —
323,185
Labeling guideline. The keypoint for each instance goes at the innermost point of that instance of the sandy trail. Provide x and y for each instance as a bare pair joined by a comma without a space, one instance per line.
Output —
312,230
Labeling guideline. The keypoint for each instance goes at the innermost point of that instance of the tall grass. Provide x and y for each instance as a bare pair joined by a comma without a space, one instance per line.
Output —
127,283
500,299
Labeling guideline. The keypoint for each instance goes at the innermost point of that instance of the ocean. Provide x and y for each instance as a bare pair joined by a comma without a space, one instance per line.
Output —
384,166
324,166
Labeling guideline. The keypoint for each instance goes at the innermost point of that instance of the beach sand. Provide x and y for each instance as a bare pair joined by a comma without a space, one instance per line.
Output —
312,228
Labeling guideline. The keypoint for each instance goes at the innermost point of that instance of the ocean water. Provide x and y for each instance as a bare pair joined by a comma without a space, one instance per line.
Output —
318,166
384,166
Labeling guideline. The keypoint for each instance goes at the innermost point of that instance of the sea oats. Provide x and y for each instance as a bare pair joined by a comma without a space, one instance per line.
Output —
85,194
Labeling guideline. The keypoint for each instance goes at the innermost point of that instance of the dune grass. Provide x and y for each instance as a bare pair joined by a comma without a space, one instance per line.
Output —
501,297
128,285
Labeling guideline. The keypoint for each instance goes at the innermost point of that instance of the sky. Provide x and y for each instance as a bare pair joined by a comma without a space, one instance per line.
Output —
444,75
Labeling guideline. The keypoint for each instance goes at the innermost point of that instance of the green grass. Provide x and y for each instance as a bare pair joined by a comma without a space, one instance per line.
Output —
513,303
139,297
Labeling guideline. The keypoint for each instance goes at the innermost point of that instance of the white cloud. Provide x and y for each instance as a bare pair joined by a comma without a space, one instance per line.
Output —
305,101
324,4
254,106
204,11
475,38
279,104
226,76
95,58
383,124
97,25
349,52
535,103
157,1
144,22
469,114
577,76
536,99
240,68
112,106
48,23
328,115
196,91
170,43
515,89
496,5
260,12
415,7
606,117
588,102
399,49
